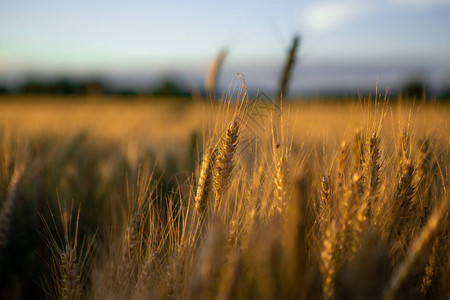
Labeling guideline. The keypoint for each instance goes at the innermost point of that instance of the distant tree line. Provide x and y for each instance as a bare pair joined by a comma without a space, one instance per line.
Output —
65,86
169,87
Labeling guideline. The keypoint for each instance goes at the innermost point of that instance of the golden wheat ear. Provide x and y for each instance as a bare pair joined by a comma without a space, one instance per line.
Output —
328,265
224,162
204,181
372,172
280,185
325,193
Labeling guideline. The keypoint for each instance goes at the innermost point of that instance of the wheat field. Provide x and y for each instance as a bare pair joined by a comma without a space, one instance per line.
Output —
233,199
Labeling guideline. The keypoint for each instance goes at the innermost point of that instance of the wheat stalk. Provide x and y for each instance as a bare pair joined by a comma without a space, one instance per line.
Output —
8,207
231,275
130,250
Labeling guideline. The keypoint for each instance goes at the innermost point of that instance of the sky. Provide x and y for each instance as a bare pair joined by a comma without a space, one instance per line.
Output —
131,40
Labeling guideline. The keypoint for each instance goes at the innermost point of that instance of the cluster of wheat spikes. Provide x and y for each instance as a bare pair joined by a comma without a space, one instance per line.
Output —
265,218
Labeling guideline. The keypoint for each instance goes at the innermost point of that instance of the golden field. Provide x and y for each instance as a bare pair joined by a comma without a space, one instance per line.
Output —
237,199
167,124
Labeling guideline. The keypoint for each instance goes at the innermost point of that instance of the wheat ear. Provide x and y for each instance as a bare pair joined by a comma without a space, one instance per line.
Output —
280,185
423,179
213,73
325,193
288,67
71,266
71,287
328,266
372,171
204,181
358,151
224,162
403,194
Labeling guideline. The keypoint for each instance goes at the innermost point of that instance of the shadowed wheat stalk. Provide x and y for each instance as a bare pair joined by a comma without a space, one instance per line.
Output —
6,212
418,248
429,269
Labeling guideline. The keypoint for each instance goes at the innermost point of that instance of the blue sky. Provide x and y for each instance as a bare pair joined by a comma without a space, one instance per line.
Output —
120,37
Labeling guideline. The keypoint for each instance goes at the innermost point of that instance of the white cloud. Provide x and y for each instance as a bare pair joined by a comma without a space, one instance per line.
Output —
419,3
324,16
